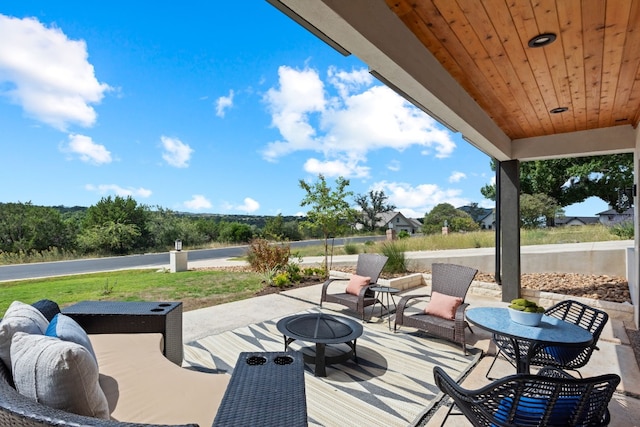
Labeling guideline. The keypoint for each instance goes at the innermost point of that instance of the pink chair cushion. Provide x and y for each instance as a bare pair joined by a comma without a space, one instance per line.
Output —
356,283
442,305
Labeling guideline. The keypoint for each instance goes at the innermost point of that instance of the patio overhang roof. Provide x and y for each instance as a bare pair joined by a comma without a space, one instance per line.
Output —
469,65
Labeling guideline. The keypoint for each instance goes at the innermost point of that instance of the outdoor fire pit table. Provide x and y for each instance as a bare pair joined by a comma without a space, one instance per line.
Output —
321,329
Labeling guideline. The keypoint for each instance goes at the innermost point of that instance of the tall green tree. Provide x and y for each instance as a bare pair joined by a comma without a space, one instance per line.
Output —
166,226
329,210
372,205
574,180
536,209
456,219
119,224
274,228
25,227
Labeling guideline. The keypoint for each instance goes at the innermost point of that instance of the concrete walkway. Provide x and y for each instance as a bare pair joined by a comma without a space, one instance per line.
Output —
615,354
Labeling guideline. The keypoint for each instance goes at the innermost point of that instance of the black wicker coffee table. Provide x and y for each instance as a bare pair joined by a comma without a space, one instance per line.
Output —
266,390
321,329
126,317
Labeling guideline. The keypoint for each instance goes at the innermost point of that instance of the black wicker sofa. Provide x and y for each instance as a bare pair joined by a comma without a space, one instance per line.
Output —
139,357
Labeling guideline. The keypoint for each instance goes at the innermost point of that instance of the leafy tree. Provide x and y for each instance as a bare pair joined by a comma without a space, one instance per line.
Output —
209,228
274,228
535,209
110,237
236,232
24,227
372,205
291,230
166,226
329,210
456,219
109,215
573,180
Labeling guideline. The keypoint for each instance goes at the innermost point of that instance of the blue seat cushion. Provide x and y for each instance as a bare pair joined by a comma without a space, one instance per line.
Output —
531,410
562,354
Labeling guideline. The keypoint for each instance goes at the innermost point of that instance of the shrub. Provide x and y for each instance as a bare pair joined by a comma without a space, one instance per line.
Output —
403,234
313,271
293,272
397,262
350,248
623,229
264,257
281,280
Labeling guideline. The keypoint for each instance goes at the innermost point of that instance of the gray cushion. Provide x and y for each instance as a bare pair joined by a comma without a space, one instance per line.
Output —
67,329
59,374
19,317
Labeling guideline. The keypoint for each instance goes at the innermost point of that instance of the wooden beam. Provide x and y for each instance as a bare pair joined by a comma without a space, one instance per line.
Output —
594,142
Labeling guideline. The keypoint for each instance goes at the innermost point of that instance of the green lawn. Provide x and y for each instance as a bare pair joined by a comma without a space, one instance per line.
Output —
194,288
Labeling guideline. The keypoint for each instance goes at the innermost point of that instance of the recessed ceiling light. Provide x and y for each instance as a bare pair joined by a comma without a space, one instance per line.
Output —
542,40
559,110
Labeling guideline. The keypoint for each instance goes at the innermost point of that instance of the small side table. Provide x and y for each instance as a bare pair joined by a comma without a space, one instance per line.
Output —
381,291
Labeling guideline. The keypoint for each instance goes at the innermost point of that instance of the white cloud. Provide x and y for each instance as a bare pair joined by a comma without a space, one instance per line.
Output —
47,74
198,202
300,94
87,150
415,201
118,191
394,166
176,153
336,168
248,206
359,118
223,103
457,176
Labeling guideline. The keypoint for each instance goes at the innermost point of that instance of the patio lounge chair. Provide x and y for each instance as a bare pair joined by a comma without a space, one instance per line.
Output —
552,397
566,358
446,317
369,265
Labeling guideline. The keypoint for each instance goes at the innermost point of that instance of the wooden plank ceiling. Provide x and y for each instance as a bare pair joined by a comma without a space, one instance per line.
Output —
592,68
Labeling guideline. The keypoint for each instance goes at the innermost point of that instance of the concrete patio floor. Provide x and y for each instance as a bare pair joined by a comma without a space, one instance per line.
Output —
615,354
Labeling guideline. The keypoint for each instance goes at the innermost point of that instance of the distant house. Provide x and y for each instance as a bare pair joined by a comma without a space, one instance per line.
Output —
576,220
484,217
399,222
612,216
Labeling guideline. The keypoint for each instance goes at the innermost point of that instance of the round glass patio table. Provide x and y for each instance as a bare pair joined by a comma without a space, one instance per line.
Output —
550,332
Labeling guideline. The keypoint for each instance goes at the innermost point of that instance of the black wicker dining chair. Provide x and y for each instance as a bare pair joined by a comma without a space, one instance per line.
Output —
550,398
368,265
566,358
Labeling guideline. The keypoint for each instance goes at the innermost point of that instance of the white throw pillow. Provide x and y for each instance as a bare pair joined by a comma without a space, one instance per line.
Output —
59,374
19,317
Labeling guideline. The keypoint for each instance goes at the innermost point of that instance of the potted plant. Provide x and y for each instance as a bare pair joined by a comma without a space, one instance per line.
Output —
525,312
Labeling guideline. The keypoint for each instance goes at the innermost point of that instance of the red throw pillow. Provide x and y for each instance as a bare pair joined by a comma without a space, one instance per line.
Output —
356,283
442,305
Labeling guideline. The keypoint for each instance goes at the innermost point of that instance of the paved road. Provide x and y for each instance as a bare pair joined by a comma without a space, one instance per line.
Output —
63,268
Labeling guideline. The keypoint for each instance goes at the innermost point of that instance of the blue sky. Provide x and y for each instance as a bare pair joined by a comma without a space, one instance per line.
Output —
209,107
